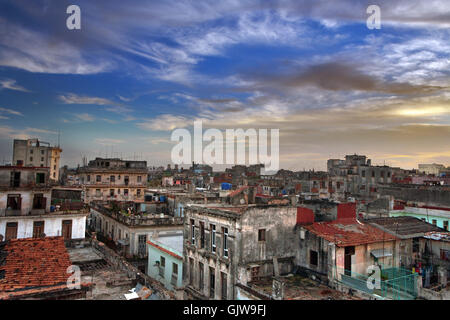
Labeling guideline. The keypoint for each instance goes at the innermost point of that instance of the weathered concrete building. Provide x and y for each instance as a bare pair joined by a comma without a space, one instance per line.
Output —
362,178
37,269
431,168
113,179
127,226
226,245
26,211
165,260
35,153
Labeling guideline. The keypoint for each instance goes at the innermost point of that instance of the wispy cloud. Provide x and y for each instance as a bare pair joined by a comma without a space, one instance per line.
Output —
108,104
12,85
10,111
108,141
165,122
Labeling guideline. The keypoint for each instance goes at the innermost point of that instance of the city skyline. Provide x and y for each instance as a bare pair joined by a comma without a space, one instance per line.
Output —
135,72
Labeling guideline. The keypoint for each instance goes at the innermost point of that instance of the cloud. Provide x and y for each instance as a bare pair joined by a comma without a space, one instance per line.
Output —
10,111
72,98
165,122
7,132
37,52
11,85
84,117
37,130
109,105
108,142
337,76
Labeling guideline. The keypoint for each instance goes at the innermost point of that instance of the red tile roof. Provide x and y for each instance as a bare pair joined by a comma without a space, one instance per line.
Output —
34,262
164,250
348,232
236,192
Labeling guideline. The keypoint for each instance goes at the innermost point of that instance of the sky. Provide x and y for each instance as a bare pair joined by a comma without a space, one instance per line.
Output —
138,69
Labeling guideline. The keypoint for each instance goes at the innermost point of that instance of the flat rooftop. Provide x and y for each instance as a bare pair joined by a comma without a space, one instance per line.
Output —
404,226
301,288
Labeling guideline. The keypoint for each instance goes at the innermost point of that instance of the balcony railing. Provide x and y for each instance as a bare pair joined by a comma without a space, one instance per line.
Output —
140,219
41,212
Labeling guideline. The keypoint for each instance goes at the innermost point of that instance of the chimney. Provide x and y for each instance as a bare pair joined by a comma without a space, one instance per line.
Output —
305,216
346,211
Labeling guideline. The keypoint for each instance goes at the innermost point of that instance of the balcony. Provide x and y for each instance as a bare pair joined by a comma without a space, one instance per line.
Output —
10,212
139,219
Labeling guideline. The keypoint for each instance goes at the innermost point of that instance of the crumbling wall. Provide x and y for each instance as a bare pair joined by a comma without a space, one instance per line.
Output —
279,225
132,272
429,195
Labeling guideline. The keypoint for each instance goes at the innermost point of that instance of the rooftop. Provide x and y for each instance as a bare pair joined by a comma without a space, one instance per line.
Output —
300,288
33,265
404,226
348,232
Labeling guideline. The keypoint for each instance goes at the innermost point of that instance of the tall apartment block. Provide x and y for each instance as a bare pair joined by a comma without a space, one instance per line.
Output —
35,153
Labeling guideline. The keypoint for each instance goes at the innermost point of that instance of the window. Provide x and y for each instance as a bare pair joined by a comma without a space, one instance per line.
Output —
192,232
98,178
389,174
98,193
139,178
162,266
446,225
88,177
445,255
39,202
202,235
42,159
212,282
38,229
138,192
142,244
201,273
14,202
40,177
126,180
42,152
363,173
54,167
14,179
31,159
213,238
434,221
191,271
125,192
223,281
225,242
111,192
373,174
31,151
174,274
255,273
67,229
313,258
11,231
262,235
112,179
416,244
